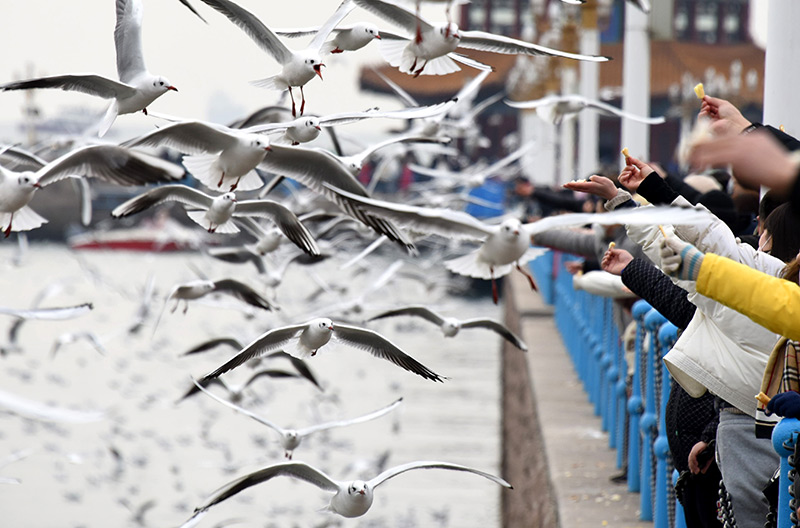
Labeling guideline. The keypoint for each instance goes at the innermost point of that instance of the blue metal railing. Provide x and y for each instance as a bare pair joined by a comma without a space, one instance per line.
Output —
633,411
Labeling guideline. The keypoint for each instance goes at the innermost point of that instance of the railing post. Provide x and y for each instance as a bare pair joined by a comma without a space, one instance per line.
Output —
667,335
652,321
635,402
784,438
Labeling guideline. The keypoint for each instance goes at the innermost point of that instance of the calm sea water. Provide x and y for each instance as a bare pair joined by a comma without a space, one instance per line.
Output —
151,461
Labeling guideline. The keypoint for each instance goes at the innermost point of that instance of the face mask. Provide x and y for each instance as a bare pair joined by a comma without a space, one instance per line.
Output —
761,246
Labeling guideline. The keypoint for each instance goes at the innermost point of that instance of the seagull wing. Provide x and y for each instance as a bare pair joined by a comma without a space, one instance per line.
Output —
49,314
380,347
298,470
88,83
316,167
630,216
417,310
164,193
299,365
481,40
300,32
396,14
254,28
369,151
443,222
20,160
190,137
322,35
507,334
534,103
343,423
201,386
238,255
213,343
613,110
417,112
285,219
128,39
242,292
422,464
112,164
267,342
401,93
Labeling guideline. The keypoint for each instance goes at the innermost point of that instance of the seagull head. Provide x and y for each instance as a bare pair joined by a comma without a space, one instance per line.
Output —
372,30
28,182
228,197
450,327
450,31
357,487
315,65
511,228
163,85
312,122
260,142
323,324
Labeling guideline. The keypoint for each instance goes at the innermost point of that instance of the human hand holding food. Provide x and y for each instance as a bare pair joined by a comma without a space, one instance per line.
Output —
680,259
615,260
596,185
726,119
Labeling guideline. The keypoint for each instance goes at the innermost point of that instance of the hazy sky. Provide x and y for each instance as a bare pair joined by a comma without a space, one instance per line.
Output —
210,64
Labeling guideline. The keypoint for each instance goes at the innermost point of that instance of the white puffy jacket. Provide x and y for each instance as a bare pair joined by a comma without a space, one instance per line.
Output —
721,350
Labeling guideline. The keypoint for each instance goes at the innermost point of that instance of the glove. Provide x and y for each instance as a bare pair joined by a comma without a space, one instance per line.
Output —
786,404
680,259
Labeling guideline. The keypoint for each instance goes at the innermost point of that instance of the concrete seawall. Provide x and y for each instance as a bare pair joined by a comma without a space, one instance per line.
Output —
554,450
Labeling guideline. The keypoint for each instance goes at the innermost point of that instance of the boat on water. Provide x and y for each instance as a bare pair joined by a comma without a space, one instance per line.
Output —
158,234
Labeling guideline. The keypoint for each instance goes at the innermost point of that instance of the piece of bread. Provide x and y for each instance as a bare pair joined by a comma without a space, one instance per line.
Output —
698,90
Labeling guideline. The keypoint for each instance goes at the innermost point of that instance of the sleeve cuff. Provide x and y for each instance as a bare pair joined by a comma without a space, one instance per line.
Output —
655,190
621,197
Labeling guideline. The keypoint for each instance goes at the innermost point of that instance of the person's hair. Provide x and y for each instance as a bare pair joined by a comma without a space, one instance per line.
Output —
791,271
768,204
784,227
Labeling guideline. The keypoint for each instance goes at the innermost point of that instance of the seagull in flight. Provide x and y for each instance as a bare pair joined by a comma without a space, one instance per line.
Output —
505,246
291,438
215,213
220,157
350,499
236,392
303,340
432,49
555,108
136,88
346,38
450,325
107,162
299,67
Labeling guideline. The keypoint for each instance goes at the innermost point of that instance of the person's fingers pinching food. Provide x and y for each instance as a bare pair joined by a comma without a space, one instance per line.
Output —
680,259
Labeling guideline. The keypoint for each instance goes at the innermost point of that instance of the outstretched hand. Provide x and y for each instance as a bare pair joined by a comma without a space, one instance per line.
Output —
756,158
596,185
615,260
726,119
634,173
680,259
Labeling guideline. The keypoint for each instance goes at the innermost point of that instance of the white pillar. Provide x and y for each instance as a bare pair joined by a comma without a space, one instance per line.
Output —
540,163
781,67
589,121
636,82
566,152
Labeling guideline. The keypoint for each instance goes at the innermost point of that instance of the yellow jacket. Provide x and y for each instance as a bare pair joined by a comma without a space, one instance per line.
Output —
769,301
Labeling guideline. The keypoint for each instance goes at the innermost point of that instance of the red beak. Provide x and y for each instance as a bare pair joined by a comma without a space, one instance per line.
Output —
360,492
318,127
318,69
330,327
378,37
172,88
516,232
268,149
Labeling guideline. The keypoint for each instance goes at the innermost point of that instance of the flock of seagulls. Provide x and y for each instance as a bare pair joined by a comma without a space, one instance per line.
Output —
320,209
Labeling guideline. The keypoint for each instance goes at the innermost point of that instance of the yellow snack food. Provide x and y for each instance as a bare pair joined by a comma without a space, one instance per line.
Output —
783,128
763,398
699,92
611,245
625,152
663,233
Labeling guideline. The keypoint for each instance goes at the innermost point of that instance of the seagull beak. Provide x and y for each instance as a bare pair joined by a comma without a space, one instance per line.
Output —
268,149
378,37
318,127
318,69
172,88
330,327
37,185
361,492
516,232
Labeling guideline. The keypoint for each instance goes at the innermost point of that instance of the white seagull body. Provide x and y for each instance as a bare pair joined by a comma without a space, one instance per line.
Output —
215,213
222,158
555,108
299,67
306,339
350,38
107,162
451,325
432,49
350,499
136,88
291,438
